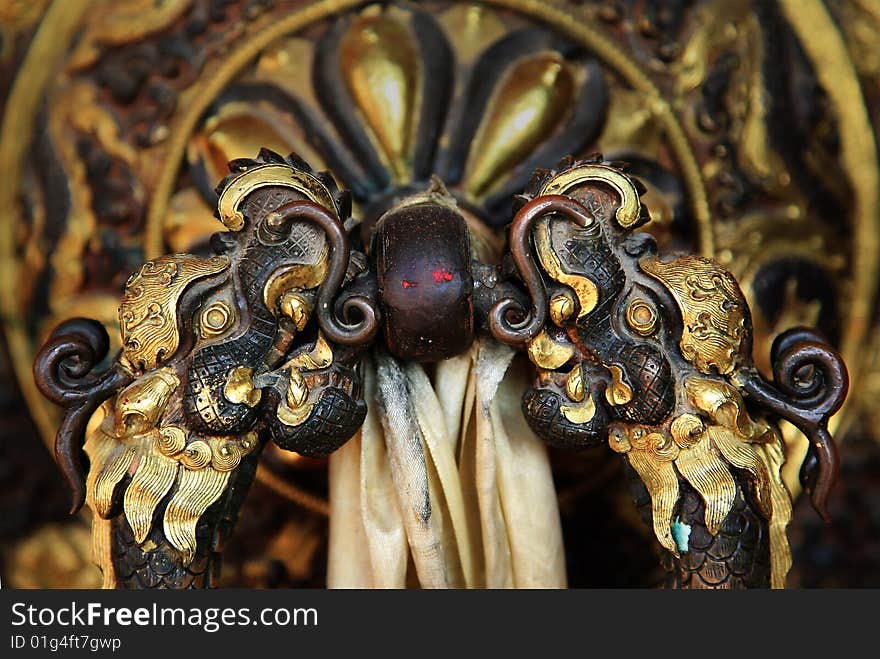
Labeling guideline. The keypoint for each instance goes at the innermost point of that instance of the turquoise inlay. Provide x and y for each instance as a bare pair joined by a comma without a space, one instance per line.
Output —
681,533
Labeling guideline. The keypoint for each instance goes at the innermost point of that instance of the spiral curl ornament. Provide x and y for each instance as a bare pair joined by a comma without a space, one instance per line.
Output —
502,314
810,383
357,333
64,373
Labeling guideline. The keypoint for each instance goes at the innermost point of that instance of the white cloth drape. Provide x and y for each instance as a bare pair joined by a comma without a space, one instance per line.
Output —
445,486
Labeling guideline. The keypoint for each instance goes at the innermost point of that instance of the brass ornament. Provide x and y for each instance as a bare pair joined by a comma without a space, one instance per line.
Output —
619,392
239,387
148,310
561,307
171,440
297,390
197,455
547,353
196,491
627,213
712,308
216,319
642,317
139,406
293,280
585,290
319,356
687,429
582,413
574,385
668,123
296,308
151,482
267,175
295,408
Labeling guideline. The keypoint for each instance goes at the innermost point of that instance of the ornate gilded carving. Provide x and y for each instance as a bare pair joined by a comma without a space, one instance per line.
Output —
713,308
148,321
642,317
263,175
585,290
207,383
673,382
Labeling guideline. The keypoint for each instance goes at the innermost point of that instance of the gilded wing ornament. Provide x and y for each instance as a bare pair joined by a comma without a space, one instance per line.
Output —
654,356
219,355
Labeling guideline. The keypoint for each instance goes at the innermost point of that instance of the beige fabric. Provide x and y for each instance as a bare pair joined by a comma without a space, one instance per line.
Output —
445,486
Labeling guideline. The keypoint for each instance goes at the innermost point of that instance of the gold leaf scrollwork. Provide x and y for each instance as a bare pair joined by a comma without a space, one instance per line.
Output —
148,310
151,482
171,440
713,311
197,455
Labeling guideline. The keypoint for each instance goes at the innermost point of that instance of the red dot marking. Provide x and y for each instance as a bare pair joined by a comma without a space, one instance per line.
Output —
410,284
442,275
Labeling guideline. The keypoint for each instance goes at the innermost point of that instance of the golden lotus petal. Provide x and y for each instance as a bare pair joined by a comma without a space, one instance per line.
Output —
710,476
380,65
528,105
661,481
197,455
239,129
196,491
151,482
